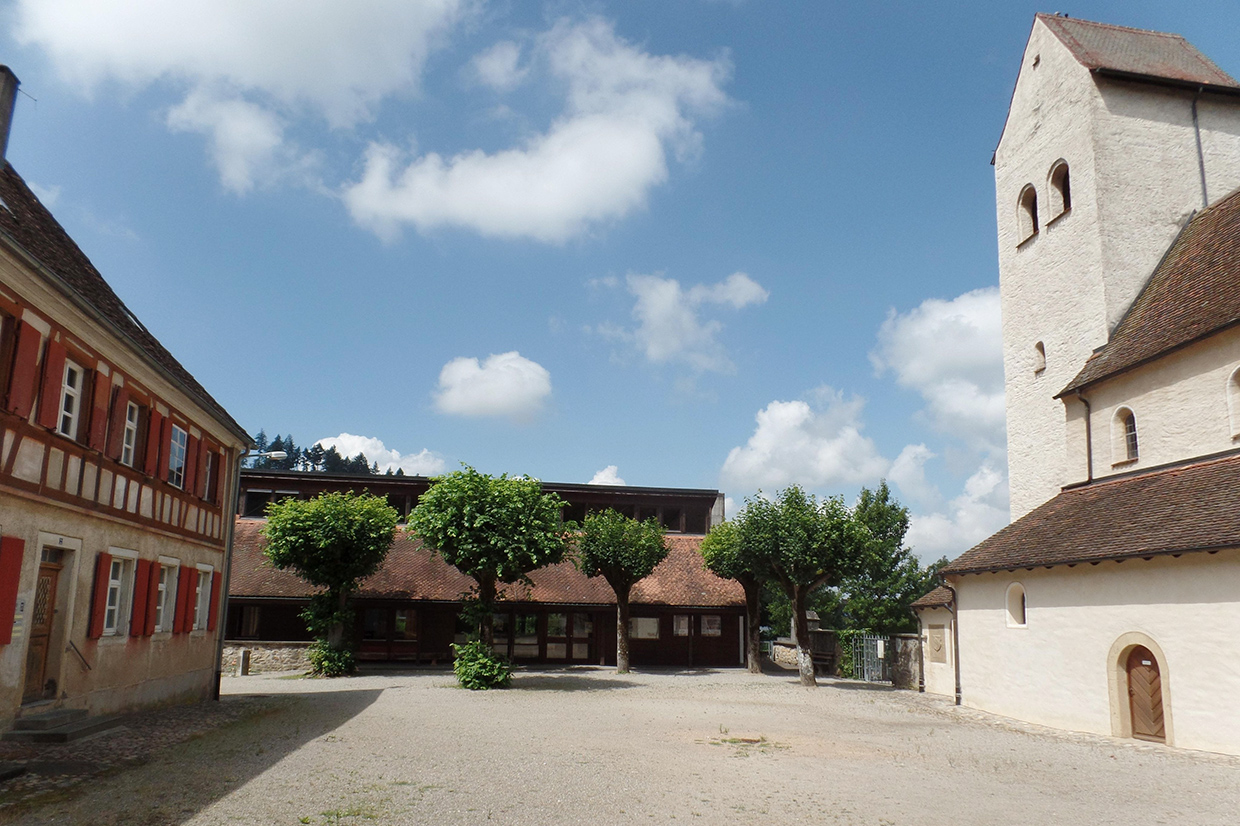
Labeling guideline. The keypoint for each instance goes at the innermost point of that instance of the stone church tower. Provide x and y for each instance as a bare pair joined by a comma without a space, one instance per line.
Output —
1114,138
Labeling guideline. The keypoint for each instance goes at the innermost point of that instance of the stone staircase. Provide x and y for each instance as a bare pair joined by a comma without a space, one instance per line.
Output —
62,725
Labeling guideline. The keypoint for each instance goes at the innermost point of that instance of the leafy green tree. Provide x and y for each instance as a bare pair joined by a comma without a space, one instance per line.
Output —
805,544
333,542
725,555
493,529
622,551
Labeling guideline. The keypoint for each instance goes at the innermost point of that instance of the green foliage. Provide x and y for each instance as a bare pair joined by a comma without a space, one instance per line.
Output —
490,527
331,662
478,668
313,459
803,542
726,554
620,549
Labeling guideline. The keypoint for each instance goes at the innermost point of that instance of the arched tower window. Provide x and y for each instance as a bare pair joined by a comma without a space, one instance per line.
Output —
1028,213
1233,402
1039,358
1016,606
1060,190
1124,437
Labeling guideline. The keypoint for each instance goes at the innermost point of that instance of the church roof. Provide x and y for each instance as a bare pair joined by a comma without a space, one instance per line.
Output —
1194,292
1136,53
940,597
1172,510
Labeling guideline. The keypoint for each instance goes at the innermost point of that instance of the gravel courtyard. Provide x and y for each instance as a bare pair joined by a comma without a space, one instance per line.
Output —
585,746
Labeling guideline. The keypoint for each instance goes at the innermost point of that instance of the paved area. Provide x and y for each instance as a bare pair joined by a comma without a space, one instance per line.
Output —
585,746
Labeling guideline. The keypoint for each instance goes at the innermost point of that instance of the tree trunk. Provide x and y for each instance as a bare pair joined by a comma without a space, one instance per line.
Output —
335,634
753,629
622,632
486,605
805,660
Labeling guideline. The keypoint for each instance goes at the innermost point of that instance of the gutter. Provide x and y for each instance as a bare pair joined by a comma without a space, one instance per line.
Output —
955,609
1089,438
222,622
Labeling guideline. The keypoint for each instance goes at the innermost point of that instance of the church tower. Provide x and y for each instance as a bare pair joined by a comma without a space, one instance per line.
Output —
1114,137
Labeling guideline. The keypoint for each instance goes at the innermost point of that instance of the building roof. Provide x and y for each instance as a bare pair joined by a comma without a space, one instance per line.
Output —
1171,510
27,225
1194,292
411,571
940,597
1137,53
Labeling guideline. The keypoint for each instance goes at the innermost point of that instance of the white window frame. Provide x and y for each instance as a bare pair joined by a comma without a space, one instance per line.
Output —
166,603
129,442
211,469
70,413
119,604
202,597
177,449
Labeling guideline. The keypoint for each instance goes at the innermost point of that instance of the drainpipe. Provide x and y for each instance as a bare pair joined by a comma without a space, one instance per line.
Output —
955,609
230,527
1201,158
1089,438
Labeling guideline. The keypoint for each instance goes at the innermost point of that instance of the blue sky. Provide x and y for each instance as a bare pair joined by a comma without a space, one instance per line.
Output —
711,244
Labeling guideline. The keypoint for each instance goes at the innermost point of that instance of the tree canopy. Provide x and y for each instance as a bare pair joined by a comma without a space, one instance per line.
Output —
726,555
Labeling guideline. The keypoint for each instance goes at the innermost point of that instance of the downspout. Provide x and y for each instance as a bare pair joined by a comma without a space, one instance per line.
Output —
955,609
1201,158
1089,438
231,525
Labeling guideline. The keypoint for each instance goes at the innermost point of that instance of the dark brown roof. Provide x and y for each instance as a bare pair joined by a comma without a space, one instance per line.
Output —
940,597
1178,509
1195,291
31,227
1137,52
414,572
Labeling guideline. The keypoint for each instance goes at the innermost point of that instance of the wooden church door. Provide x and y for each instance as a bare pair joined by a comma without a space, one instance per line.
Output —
1145,695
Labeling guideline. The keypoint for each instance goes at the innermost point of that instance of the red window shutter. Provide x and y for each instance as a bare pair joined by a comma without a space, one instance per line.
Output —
99,412
116,428
99,600
154,429
203,462
53,381
152,600
20,399
11,550
215,601
141,582
190,485
184,620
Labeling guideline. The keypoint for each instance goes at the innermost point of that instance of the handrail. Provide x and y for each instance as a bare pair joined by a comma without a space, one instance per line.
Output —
79,654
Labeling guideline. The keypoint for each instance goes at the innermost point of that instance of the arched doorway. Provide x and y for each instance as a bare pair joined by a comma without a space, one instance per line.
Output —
1145,703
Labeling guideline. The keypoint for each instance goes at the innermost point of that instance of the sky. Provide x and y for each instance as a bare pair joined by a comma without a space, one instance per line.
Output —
676,243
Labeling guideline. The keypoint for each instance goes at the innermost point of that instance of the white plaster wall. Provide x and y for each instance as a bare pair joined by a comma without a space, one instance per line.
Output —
938,678
1055,670
1179,401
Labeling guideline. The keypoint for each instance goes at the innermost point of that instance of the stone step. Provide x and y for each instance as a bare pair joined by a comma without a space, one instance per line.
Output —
9,770
48,719
73,730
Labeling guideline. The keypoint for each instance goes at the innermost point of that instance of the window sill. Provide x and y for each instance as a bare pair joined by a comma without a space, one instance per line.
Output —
1027,241
1060,216
1014,625
1126,462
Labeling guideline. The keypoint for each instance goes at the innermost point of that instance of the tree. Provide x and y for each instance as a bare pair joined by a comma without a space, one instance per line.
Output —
725,555
806,544
333,542
493,529
622,551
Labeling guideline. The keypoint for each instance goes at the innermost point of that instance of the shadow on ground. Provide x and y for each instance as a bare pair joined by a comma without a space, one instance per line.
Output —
176,783
545,681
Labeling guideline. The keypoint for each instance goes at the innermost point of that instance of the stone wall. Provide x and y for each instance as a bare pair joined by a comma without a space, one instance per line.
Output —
267,656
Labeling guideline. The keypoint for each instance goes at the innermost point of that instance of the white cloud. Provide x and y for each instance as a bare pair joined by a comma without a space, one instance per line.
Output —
505,385
48,195
609,475
979,511
951,352
815,446
499,66
908,472
422,463
595,163
669,328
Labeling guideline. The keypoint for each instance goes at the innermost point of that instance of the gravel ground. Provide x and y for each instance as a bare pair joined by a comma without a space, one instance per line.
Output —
585,746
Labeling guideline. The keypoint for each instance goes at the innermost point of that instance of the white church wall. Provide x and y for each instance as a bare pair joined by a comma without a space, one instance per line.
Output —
1057,669
938,663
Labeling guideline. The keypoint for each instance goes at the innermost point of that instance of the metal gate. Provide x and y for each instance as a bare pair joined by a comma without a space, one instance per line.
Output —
871,656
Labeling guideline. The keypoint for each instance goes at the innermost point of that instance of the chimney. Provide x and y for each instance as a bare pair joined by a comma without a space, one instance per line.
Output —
8,96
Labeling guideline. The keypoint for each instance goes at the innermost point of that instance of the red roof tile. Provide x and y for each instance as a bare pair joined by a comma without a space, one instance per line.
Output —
1177,509
1195,291
413,572
940,597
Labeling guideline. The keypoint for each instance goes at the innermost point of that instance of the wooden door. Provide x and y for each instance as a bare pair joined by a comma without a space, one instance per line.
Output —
40,631
1145,695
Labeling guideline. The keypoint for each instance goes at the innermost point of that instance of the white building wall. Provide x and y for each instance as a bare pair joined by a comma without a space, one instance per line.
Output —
937,677
1058,670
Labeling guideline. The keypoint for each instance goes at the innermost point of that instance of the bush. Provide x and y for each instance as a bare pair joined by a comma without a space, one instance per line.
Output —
478,668
330,662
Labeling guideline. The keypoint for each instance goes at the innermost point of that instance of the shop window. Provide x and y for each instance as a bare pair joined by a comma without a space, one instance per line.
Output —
671,519
557,625
644,628
256,502
712,625
250,615
695,520
374,624
680,625
525,636
406,624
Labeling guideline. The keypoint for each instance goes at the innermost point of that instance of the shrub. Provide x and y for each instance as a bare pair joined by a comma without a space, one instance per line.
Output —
478,668
326,661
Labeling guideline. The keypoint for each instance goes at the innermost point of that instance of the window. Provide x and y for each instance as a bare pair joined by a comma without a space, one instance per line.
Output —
211,492
1061,189
1124,446
525,639
1027,214
70,400
249,621
1016,606
129,441
407,624
1039,358
680,625
166,601
120,596
712,625
670,519
644,628
176,457
1233,402
202,597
